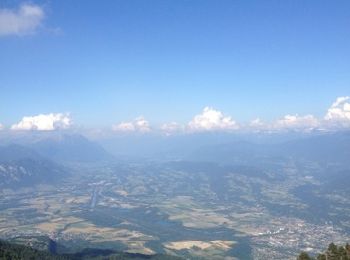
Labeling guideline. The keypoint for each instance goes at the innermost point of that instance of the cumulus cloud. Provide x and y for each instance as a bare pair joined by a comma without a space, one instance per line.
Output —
44,122
24,20
1,126
125,126
286,123
337,116
256,123
171,128
339,112
211,119
296,122
139,124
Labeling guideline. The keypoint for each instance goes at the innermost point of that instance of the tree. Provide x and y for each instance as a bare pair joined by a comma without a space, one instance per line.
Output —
321,257
304,256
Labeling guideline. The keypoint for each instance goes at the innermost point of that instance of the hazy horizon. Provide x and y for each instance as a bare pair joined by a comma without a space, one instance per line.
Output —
173,129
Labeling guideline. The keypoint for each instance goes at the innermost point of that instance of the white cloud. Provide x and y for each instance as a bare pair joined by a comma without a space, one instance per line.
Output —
339,111
296,122
257,123
139,124
286,123
44,122
25,20
171,128
337,116
211,119
124,126
142,125
1,127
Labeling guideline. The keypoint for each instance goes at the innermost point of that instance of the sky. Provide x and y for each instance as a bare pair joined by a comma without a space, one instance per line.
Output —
174,65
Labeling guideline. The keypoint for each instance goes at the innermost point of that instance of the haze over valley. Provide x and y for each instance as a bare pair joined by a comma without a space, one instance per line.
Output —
171,129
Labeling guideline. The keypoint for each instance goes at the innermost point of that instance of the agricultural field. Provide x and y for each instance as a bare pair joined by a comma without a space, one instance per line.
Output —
181,209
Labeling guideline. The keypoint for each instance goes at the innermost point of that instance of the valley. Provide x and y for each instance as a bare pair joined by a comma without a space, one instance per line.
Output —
182,208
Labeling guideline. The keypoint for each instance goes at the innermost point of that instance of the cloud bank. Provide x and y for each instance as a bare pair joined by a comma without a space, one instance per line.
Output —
44,122
211,119
139,124
25,20
337,117
172,128
296,122
339,112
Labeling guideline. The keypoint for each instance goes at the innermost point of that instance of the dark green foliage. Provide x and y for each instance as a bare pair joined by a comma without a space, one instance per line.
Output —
9,251
321,257
18,252
333,252
304,256
332,248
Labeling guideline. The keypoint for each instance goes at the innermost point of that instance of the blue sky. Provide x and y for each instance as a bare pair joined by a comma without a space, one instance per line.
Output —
110,61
